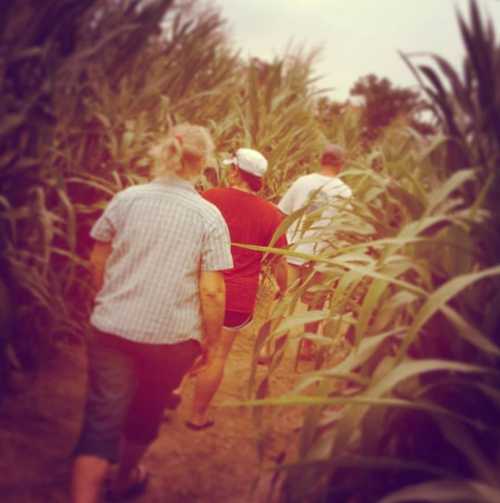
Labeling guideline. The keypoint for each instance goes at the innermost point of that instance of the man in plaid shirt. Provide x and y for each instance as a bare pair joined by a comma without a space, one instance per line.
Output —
159,253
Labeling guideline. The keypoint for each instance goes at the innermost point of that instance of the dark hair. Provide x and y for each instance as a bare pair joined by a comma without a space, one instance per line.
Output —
333,155
254,182
330,160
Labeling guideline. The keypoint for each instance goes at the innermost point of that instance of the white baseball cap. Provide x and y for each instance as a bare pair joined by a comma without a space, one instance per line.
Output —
249,160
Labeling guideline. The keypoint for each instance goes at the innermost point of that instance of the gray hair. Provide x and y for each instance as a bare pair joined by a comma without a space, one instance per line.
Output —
181,140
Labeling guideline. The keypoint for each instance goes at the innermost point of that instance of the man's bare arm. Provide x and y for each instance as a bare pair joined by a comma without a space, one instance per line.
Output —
213,302
280,273
98,257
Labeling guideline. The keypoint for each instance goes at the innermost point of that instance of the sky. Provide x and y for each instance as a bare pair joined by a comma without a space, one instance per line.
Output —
355,37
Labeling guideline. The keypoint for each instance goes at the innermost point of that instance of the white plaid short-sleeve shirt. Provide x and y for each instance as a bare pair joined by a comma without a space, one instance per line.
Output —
162,234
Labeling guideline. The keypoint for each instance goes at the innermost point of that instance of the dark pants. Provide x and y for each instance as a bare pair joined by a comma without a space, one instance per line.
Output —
129,385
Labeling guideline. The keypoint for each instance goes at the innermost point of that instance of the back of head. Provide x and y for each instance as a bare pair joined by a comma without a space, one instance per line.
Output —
254,182
184,144
252,166
333,157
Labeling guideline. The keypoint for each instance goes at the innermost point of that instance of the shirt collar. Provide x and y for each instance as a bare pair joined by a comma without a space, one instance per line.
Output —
173,180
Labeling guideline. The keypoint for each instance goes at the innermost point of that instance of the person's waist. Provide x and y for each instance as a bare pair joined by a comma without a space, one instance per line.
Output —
247,278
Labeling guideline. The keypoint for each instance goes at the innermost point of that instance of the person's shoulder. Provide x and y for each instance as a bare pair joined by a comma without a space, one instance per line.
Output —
309,181
267,214
215,193
271,207
301,181
209,211
342,188
260,203
130,192
307,177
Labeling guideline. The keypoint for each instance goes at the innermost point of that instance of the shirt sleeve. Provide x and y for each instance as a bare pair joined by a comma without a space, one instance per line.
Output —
105,227
286,203
216,254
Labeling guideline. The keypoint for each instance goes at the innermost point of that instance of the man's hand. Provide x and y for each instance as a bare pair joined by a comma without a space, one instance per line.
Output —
280,273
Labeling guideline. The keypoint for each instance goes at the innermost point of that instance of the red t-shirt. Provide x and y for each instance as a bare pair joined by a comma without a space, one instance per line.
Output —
251,220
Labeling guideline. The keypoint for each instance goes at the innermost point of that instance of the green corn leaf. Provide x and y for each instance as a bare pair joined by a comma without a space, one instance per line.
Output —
443,193
453,491
440,297
470,333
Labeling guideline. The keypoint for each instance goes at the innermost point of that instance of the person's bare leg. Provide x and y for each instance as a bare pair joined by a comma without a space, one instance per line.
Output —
268,349
209,377
88,476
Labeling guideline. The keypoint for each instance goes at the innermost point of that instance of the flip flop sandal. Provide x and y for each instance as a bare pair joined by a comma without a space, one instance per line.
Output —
199,427
140,479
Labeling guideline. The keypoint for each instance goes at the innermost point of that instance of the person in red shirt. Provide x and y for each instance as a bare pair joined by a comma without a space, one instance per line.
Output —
251,220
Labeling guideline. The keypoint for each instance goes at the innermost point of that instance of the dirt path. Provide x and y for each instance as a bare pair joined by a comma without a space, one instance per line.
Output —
38,429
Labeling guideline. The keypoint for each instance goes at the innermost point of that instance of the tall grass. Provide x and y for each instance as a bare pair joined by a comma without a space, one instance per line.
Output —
466,102
417,358
411,273
411,414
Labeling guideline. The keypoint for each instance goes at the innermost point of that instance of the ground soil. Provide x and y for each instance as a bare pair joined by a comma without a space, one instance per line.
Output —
39,426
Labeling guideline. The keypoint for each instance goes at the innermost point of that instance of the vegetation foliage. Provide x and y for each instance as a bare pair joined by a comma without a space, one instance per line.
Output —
410,411
384,102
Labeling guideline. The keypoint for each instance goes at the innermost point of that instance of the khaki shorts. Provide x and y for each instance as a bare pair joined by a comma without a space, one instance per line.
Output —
129,386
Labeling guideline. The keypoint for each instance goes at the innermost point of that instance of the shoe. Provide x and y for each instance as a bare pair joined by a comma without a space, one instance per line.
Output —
199,427
138,484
